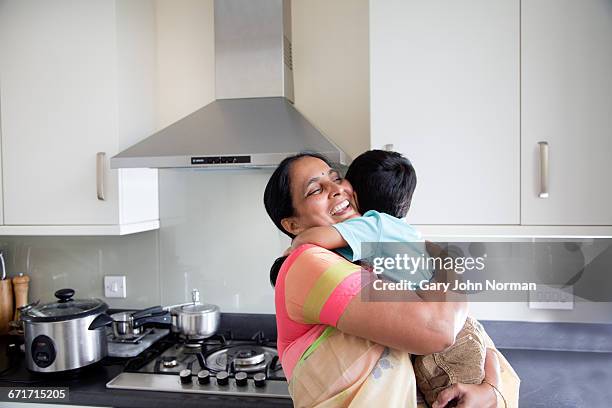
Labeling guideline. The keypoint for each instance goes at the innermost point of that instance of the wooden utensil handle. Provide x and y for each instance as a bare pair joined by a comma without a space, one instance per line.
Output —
20,288
6,304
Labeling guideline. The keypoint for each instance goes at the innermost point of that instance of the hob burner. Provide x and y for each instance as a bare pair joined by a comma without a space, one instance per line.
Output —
193,345
246,356
169,361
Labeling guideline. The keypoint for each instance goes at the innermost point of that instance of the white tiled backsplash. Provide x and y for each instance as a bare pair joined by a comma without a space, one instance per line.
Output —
215,236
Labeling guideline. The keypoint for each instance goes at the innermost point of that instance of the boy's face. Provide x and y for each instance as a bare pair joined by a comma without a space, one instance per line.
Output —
319,195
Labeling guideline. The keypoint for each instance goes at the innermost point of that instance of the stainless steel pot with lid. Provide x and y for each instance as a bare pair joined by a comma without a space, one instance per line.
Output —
195,320
58,336
198,321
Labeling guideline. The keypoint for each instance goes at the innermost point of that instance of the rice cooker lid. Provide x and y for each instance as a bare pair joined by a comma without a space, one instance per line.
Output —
66,308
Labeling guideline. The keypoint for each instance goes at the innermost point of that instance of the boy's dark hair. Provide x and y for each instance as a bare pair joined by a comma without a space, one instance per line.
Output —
383,181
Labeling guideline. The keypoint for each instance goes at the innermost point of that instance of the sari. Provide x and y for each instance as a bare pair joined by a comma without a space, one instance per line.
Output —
325,367
328,368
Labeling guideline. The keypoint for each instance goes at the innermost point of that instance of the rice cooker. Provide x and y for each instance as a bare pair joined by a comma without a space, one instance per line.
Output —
58,336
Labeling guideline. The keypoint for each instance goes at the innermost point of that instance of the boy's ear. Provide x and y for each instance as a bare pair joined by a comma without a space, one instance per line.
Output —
291,225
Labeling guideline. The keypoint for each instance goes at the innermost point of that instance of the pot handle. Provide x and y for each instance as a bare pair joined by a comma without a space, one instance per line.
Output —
165,318
155,310
101,321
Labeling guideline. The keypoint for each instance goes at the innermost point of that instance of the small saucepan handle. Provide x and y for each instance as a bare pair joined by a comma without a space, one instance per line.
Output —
155,310
164,318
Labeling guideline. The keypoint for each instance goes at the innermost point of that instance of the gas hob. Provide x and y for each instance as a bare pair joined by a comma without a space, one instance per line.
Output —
212,366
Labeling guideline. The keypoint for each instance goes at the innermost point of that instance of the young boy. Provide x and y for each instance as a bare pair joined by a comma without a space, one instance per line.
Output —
383,183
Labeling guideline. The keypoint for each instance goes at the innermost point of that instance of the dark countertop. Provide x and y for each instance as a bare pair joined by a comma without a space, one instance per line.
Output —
556,377
88,387
563,379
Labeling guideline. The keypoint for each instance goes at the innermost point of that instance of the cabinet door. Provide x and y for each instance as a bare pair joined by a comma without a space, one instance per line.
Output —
59,97
445,92
567,102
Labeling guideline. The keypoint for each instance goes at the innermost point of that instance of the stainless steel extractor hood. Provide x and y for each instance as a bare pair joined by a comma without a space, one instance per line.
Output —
252,123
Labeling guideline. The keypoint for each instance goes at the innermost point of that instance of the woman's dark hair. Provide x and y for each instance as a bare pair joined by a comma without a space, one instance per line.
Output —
277,196
278,202
383,181
275,269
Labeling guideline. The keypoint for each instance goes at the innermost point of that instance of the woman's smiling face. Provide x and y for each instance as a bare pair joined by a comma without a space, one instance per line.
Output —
320,196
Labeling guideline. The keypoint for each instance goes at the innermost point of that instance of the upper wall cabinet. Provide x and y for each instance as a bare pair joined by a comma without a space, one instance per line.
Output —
504,108
567,104
77,84
445,92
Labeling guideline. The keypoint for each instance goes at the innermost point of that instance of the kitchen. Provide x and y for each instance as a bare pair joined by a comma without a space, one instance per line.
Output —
154,63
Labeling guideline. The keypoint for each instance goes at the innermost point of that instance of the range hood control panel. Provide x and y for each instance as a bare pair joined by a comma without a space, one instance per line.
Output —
198,161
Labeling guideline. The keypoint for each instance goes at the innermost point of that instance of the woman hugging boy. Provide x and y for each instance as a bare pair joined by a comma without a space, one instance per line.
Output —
383,183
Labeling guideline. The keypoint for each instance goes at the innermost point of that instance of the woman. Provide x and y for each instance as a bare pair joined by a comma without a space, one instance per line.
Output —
336,349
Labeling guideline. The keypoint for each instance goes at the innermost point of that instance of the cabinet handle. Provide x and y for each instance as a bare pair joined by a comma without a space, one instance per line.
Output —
100,157
543,169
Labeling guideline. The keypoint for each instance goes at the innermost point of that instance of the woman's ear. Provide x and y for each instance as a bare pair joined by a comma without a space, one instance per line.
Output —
291,225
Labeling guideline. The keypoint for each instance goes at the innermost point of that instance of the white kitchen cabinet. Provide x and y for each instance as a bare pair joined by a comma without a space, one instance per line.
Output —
567,102
445,92
77,78
467,90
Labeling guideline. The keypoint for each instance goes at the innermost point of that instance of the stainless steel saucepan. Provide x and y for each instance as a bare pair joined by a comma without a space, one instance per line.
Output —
129,324
198,321
195,320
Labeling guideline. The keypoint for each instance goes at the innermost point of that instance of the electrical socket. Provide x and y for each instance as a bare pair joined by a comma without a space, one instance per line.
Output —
115,286
552,297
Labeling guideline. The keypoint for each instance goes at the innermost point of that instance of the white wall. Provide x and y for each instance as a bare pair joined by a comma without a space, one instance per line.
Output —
136,80
216,236
185,58
331,69
80,263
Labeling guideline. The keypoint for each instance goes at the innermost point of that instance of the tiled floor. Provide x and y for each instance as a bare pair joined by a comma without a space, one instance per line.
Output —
563,379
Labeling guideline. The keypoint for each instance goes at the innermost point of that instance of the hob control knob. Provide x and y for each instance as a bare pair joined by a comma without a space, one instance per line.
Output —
204,377
260,379
185,376
222,378
241,379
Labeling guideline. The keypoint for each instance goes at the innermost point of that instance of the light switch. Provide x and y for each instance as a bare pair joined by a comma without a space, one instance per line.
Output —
115,287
